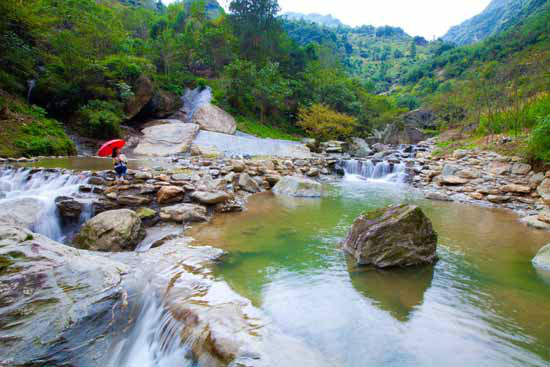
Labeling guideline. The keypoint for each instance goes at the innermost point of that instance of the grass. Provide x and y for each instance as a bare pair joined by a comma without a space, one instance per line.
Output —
260,130
26,131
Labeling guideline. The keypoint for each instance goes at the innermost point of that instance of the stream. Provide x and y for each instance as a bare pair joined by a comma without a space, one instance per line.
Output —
482,304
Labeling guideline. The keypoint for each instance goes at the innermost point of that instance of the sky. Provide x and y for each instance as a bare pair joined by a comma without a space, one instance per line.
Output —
427,18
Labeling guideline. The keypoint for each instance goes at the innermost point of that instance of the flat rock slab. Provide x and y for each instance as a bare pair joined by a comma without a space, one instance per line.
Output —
166,137
249,145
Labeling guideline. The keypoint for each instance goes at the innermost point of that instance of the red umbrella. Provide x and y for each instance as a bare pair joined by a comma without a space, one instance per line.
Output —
107,148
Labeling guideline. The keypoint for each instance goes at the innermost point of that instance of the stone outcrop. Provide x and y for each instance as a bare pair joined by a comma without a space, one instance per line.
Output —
56,300
297,187
168,137
213,118
143,92
24,212
113,231
69,208
542,259
398,236
163,104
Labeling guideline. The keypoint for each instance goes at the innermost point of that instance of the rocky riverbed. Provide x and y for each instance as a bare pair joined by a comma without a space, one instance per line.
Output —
98,296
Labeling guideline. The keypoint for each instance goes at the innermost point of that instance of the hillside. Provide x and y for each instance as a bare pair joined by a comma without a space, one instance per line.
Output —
500,15
323,20
379,56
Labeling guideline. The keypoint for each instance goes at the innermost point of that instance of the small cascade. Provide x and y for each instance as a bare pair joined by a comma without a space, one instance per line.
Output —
192,99
42,186
30,86
368,169
154,341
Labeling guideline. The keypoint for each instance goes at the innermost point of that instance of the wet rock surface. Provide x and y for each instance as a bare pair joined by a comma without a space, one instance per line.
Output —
399,236
111,231
297,187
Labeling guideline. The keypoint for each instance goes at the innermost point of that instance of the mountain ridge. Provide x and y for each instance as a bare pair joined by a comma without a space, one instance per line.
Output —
498,16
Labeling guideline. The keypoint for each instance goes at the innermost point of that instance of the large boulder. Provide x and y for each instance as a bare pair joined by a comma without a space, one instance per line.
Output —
542,259
297,187
143,91
420,118
58,304
112,231
398,236
163,104
213,118
23,212
168,137
184,213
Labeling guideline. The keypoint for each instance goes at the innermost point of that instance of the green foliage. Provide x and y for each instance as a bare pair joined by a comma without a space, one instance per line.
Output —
263,130
100,119
325,124
539,142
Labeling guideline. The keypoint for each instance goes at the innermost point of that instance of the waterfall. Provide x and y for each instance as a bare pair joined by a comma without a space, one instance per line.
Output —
155,339
41,187
30,84
194,98
382,171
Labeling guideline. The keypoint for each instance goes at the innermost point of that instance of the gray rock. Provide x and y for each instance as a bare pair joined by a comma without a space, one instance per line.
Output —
450,170
360,148
142,93
398,236
57,301
297,187
210,198
23,212
544,190
213,118
170,194
542,259
521,169
534,222
184,213
112,231
69,209
437,196
247,184
169,137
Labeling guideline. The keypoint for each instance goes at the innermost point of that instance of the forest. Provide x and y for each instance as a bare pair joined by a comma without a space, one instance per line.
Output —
78,65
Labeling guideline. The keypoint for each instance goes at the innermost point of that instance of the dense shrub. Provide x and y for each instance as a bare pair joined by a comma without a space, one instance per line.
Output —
100,119
325,124
539,142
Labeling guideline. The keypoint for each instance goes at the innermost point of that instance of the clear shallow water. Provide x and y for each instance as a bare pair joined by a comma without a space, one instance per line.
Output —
482,304
97,164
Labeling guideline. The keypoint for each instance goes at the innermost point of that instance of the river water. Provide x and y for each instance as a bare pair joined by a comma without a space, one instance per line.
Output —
482,304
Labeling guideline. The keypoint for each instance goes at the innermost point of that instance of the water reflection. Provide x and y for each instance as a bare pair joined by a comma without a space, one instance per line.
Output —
398,291
482,304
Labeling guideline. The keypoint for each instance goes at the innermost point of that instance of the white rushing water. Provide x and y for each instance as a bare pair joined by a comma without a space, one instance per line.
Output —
42,188
369,170
192,99
154,341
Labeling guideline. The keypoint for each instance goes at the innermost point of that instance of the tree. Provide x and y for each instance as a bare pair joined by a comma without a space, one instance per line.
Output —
257,27
413,50
325,124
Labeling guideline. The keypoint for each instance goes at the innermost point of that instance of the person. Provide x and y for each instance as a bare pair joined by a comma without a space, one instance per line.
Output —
120,164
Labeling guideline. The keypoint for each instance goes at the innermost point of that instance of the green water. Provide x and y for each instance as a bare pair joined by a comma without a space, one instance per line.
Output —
482,304
96,163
